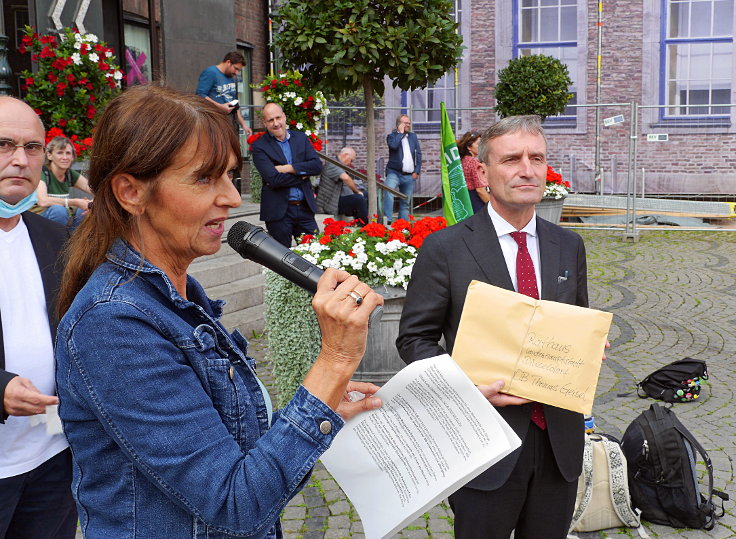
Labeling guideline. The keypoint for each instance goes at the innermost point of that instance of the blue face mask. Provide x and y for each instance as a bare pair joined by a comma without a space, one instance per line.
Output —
10,210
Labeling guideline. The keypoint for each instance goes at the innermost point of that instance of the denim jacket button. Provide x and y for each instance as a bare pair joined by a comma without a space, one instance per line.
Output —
232,372
325,427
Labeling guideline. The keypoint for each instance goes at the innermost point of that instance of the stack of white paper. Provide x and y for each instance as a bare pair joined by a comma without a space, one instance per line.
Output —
434,433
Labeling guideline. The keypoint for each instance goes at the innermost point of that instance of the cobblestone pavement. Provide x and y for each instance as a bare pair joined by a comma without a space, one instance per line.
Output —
673,296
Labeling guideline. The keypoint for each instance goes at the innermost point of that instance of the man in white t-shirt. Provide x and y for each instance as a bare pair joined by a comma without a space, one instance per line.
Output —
35,466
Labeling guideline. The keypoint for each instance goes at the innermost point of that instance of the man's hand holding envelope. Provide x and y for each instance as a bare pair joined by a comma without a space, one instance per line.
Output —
543,351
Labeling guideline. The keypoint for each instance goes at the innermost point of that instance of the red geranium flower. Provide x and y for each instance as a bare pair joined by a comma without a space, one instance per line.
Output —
374,230
335,228
62,122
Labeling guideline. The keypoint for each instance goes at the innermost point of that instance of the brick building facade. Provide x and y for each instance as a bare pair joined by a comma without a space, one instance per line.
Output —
661,54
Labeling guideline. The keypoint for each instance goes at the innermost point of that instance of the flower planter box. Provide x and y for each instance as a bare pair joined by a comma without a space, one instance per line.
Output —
381,360
550,209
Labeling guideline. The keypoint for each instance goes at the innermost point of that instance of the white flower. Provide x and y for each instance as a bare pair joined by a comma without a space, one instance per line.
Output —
77,37
76,58
307,132
77,45
299,126
91,38
94,57
310,258
108,54
298,101
118,75
108,75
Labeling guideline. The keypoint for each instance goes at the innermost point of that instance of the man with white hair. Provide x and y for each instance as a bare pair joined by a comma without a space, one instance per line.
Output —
35,467
338,193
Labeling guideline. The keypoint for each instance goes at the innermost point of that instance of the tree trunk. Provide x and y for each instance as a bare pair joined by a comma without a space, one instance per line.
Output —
371,147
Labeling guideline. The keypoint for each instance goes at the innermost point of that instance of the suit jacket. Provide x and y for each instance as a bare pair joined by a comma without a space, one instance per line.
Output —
275,194
396,152
448,260
47,238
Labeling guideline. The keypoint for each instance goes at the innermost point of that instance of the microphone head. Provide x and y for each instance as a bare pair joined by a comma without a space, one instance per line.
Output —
237,233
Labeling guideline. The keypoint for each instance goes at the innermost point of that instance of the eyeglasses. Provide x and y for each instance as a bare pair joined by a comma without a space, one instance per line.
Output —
32,149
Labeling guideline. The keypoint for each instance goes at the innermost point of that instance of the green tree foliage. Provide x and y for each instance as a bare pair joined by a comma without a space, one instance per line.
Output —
535,84
347,45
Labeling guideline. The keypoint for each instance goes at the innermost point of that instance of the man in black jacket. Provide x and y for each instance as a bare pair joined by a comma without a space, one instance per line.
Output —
532,490
35,466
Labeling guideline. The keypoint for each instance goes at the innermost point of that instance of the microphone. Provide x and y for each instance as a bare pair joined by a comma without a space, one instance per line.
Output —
252,242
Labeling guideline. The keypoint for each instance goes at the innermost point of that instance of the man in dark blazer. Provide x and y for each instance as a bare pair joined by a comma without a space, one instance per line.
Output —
531,491
285,159
35,466
403,167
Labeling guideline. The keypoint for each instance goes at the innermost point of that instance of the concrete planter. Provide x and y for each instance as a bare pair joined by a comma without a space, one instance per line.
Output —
550,209
381,360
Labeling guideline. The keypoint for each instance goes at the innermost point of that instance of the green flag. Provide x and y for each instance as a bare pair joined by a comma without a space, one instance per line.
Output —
455,199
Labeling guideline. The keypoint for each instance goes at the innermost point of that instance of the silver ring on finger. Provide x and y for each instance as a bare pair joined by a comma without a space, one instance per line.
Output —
356,296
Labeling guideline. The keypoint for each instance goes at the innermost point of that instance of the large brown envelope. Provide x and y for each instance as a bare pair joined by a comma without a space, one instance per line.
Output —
544,351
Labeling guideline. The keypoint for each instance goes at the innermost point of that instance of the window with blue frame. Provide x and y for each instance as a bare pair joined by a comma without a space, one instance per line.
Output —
549,27
697,46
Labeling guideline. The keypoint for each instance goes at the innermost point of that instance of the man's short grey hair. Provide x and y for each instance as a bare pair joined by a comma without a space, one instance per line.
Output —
346,149
528,124
398,119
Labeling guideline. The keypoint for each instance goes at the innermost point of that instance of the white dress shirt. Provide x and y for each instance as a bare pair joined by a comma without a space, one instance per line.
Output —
509,247
407,165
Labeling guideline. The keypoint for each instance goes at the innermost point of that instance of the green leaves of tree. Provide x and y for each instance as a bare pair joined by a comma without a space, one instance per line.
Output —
342,42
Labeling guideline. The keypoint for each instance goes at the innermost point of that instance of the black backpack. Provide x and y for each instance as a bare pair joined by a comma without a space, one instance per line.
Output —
661,455
677,382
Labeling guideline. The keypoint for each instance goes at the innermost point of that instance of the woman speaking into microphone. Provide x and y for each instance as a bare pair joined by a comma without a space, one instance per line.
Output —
172,433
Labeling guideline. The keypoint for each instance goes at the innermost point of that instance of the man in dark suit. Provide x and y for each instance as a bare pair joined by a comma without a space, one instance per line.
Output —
35,467
285,159
403,167
531,491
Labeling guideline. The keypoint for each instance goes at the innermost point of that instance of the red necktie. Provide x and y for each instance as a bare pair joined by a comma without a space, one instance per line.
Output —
526,283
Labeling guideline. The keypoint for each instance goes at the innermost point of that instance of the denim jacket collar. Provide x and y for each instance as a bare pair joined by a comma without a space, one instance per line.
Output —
123,254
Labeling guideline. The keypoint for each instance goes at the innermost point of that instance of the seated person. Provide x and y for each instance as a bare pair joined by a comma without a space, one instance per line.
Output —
338,192
57,178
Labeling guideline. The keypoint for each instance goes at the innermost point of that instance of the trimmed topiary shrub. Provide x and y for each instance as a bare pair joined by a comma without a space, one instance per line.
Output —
535,84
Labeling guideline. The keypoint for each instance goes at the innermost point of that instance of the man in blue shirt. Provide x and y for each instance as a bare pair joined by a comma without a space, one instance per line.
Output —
285,159
218,84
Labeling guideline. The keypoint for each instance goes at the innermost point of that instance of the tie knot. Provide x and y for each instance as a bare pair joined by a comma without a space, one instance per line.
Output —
520,238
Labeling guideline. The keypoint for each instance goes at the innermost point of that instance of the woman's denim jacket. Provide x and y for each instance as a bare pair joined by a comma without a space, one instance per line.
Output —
165,417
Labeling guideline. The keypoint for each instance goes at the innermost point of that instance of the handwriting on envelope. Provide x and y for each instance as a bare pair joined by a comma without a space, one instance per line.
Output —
544,351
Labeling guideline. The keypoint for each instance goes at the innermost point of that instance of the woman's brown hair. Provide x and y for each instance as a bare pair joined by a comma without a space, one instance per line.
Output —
140,133
466,141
